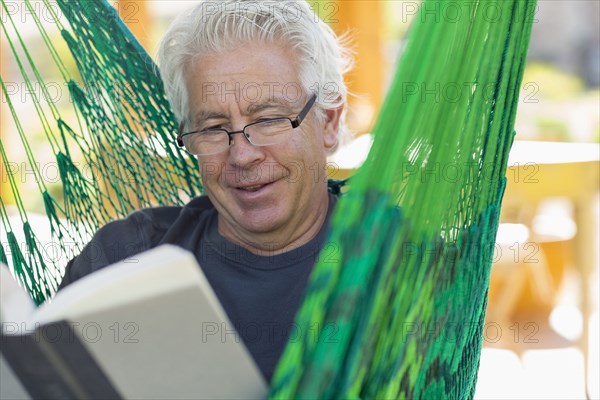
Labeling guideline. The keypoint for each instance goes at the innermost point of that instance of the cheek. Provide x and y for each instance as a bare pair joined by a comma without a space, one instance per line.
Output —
308,144
311,150
210,170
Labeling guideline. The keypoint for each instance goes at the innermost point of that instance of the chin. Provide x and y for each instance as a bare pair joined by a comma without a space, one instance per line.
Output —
260,223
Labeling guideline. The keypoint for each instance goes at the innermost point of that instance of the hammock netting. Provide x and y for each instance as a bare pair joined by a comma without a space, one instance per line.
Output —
399,305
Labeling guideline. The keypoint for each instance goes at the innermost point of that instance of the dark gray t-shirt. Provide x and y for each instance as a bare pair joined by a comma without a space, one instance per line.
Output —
259,294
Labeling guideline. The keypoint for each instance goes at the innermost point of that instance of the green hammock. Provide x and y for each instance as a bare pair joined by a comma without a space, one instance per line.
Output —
402,284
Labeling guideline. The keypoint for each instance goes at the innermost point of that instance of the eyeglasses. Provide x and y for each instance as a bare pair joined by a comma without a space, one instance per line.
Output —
264,132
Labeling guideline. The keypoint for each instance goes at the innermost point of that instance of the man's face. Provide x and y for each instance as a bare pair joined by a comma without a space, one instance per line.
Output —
275,193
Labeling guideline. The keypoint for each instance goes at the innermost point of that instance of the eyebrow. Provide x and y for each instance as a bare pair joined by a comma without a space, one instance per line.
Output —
206,115
253,108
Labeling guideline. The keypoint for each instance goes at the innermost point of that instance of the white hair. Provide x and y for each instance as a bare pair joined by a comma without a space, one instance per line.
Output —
215,26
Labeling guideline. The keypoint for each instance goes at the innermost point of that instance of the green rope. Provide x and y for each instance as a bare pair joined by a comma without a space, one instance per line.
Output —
402,279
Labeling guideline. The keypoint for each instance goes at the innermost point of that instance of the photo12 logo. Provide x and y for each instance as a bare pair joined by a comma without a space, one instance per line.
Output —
21,12
291,11
453,11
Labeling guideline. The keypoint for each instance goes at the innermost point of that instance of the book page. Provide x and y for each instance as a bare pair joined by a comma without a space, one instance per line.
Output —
16,307
157,330
163,269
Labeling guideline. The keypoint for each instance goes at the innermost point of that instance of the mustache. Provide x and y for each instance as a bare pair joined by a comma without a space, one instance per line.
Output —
263,173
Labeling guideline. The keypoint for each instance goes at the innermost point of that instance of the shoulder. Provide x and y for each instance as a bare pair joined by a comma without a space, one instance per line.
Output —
123,238
142,229
161,218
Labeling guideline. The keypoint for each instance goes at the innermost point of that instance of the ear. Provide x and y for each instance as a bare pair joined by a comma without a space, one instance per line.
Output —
332,127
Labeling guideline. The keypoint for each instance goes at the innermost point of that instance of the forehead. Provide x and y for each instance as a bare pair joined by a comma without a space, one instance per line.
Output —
253,73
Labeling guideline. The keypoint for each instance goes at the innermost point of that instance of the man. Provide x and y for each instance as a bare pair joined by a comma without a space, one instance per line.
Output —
259,93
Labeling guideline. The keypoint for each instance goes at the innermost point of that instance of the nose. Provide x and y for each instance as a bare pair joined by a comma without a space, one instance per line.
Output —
242,153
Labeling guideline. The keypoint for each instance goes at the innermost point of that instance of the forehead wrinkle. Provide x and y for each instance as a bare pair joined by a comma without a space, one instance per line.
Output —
271,103
204,115
255,107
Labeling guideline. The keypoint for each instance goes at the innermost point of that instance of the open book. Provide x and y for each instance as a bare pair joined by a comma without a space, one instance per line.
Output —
147,327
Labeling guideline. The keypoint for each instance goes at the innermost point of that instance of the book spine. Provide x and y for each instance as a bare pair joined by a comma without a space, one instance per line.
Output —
56,365
81,366
33,368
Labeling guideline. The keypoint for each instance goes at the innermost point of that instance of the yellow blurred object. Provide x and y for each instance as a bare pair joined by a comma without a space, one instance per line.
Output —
541,290
537,171
363,20
137,18
527,283
551,82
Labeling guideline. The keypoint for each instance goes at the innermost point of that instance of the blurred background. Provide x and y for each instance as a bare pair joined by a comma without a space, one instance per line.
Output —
541,338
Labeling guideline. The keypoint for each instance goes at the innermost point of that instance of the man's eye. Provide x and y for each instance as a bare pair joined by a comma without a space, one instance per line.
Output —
211,132
212,128
268,122
269,118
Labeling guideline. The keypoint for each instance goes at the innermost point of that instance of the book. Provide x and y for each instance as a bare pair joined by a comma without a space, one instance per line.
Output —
148,327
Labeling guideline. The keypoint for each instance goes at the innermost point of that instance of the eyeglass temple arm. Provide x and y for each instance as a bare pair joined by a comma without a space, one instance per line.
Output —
180,133
305,110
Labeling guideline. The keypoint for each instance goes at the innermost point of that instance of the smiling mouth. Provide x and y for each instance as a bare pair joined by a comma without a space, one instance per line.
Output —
253,188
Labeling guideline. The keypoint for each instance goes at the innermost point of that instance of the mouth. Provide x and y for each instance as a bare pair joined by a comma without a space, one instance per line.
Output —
253,188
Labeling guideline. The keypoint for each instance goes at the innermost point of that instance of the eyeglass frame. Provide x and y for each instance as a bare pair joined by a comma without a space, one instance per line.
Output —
294,122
